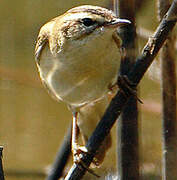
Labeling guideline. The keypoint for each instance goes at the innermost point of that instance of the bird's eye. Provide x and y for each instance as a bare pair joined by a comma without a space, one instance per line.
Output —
88,22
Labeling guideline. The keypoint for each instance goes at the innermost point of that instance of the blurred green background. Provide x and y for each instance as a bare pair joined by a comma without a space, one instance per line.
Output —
32,124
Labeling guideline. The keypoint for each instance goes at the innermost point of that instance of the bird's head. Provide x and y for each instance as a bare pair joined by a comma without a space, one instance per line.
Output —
82,21
91,25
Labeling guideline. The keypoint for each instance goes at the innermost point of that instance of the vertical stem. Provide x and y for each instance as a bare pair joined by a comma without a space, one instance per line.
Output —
1,166
115,7
61,158
169,118
128,146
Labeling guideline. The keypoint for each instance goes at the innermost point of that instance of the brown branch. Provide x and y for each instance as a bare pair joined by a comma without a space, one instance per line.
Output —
169,102
1,166
119,101
128,146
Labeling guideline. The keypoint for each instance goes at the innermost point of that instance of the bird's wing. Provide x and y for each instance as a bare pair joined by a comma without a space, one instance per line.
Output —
43,39
117,39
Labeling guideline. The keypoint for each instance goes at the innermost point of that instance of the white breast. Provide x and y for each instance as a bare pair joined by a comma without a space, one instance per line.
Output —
82,71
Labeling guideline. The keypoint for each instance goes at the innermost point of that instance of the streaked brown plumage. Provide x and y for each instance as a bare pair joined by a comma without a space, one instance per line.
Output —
77,58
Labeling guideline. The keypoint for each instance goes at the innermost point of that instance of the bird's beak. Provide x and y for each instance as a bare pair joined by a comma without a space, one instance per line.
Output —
118,22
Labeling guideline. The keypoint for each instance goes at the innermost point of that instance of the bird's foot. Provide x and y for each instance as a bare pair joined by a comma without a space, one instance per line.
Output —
78,153
127,87
77,158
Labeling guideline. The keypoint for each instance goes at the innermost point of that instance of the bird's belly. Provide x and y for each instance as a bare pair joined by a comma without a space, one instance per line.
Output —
77,88
82,81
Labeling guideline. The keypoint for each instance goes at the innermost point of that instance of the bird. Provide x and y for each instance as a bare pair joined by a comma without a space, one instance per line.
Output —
78,57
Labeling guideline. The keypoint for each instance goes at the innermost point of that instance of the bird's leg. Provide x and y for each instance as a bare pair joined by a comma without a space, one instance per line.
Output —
76,149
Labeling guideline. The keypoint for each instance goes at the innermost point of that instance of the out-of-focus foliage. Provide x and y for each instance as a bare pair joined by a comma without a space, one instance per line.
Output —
32,124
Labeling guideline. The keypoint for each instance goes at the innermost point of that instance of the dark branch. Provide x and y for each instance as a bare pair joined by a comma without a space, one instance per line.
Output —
1,166
119,101
169,114
128,145
61,159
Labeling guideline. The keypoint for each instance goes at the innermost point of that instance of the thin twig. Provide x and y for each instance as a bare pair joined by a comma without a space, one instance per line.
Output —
1,166
119,101
61,159
169,102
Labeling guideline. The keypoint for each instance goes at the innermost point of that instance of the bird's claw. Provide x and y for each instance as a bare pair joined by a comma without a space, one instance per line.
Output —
78,153
77,158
